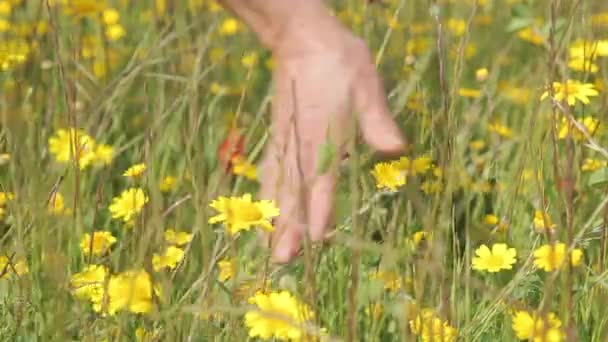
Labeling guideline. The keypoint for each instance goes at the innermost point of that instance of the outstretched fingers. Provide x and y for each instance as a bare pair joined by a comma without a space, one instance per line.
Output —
377,125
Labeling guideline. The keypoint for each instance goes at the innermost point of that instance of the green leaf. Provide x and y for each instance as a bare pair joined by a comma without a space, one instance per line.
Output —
599,177
327,155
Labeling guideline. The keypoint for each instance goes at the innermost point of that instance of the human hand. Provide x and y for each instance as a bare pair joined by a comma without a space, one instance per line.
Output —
323,73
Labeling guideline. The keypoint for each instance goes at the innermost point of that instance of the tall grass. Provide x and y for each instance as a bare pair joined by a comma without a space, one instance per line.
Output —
167,93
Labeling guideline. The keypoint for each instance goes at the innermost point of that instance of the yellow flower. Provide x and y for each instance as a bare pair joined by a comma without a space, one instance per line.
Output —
167,184
583,65
128,204
56,205
432,328
600,19
391,280
12,52
390,175
89,284
419,165
481,74
590,164
279,315
500,129
241,213
5,197
531,35
102,241
177,238
5,25
83,8
242,167
169,259
227,269
542,221
249,60
531,327
550,258
5,8
69,143
115,32
229,27
132,291
572,91
135,170
431,186
467,92
110,16
420,237
18,268
491,219
582,49
457,26
104,154
499,258
591,124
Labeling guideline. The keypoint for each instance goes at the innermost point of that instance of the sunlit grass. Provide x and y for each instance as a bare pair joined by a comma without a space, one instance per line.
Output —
129,128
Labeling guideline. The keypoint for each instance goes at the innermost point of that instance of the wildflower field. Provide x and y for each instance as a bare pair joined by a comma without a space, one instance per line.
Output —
129,195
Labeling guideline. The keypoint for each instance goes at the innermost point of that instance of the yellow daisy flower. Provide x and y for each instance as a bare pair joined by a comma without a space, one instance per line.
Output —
432,328
590,164
572,91
241,213
391,280
104,154
177,238
468,92
390,175
550,258
499,258
167,184
230,27
132,291
102,241
89,284
531,327
542,221
227,269
135,170
277,315
68,143
169,259
128,204
56,205
242,167
17,267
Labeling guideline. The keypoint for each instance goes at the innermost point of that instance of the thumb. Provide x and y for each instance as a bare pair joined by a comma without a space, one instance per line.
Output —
377,125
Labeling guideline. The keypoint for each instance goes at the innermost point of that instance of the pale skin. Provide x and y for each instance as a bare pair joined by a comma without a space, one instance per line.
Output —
323,74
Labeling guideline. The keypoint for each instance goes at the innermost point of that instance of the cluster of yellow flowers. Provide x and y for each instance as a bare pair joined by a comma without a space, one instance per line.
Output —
430,327
131,290
10,267
537,328
173,254
74,145
391,175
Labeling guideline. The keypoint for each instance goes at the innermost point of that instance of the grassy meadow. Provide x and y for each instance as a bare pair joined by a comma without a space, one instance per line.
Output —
129,204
